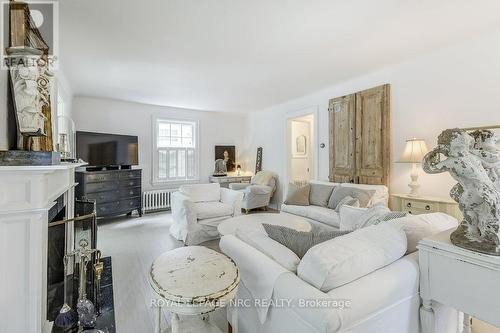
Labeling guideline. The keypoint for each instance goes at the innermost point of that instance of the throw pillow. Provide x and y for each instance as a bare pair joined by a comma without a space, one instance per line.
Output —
320,194
392,216
262,178
417,227
299,241
339,193
369,216
347,201
348,215
298,195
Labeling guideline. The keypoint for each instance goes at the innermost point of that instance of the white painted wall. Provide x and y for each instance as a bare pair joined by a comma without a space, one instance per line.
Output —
458,86
111,116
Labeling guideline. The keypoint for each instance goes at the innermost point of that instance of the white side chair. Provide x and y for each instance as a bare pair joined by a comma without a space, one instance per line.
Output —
198,209
259,192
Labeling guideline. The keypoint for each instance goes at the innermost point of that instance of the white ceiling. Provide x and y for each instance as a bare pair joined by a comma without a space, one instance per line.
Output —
244,55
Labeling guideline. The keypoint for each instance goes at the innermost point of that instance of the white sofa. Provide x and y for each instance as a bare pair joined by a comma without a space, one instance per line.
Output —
258,192
198,209
384,301
330,217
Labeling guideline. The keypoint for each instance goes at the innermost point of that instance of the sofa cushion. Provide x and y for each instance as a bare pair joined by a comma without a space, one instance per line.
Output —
298,195
381,192
344,259
259,189
340,192
320,214
271,248
299,241
347,201
417,227
202,192
319,194
352,218
208,210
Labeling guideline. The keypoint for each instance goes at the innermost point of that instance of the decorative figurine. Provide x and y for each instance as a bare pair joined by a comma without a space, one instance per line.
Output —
220,168
474,165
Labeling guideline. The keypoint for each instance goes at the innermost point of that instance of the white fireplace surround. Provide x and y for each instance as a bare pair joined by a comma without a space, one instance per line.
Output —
26,195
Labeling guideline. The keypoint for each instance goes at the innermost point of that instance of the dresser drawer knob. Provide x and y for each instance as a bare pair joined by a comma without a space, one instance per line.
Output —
408,204
427,207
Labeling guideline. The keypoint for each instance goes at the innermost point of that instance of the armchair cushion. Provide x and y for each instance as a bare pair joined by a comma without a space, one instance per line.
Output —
208,210
201,192
259,189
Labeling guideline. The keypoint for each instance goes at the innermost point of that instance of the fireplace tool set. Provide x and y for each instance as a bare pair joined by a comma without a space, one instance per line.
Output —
84,255
86,310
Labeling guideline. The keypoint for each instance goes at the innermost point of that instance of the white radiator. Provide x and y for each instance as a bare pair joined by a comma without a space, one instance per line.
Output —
156,200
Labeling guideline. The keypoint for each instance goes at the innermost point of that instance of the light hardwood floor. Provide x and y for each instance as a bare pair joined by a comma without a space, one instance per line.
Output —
134,243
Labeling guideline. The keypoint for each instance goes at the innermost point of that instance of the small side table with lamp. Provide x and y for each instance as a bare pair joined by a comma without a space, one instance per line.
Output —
412,202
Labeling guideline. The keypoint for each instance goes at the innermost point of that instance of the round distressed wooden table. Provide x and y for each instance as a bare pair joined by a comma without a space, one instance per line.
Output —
194,281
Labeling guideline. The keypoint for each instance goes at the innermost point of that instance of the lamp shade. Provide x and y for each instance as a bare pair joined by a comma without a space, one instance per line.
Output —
414,152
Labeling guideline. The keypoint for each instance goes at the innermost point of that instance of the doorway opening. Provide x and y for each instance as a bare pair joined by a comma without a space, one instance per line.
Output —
300,146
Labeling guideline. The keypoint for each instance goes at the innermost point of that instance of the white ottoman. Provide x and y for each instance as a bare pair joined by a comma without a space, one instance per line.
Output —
194,281
254,222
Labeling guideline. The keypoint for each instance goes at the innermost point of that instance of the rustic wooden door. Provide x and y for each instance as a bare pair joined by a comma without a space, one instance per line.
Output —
373,133
342,114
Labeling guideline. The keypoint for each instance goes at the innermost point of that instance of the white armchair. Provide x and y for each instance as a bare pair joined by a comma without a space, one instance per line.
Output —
198,209
258,192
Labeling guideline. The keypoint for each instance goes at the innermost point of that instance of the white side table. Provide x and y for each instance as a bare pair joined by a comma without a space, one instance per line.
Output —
465,280
194,281
425,205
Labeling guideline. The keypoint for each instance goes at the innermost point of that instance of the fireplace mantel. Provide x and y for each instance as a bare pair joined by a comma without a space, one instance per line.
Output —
26,195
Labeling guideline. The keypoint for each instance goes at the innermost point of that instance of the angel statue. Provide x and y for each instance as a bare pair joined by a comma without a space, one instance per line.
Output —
476,193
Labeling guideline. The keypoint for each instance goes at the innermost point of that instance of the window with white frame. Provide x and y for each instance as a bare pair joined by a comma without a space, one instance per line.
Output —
176,151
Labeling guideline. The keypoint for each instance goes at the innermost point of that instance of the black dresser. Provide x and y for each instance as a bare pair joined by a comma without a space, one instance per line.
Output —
116,192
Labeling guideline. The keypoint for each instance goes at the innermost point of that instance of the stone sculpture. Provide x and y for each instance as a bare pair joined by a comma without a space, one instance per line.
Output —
28,99
473,160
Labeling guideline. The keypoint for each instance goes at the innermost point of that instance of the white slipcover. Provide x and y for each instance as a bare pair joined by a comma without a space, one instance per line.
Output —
343,259
324,215
328,216
257,194
271,248
195,219
201,192
384,301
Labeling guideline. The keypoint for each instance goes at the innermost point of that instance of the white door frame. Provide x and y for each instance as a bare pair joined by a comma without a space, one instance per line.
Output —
314,110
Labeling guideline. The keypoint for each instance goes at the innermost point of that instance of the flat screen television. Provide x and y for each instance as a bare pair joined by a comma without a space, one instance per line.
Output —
103,149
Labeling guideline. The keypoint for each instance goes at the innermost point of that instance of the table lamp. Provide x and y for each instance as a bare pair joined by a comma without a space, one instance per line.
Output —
414,152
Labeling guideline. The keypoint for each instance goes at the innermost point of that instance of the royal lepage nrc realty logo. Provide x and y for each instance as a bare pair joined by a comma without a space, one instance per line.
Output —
44,19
